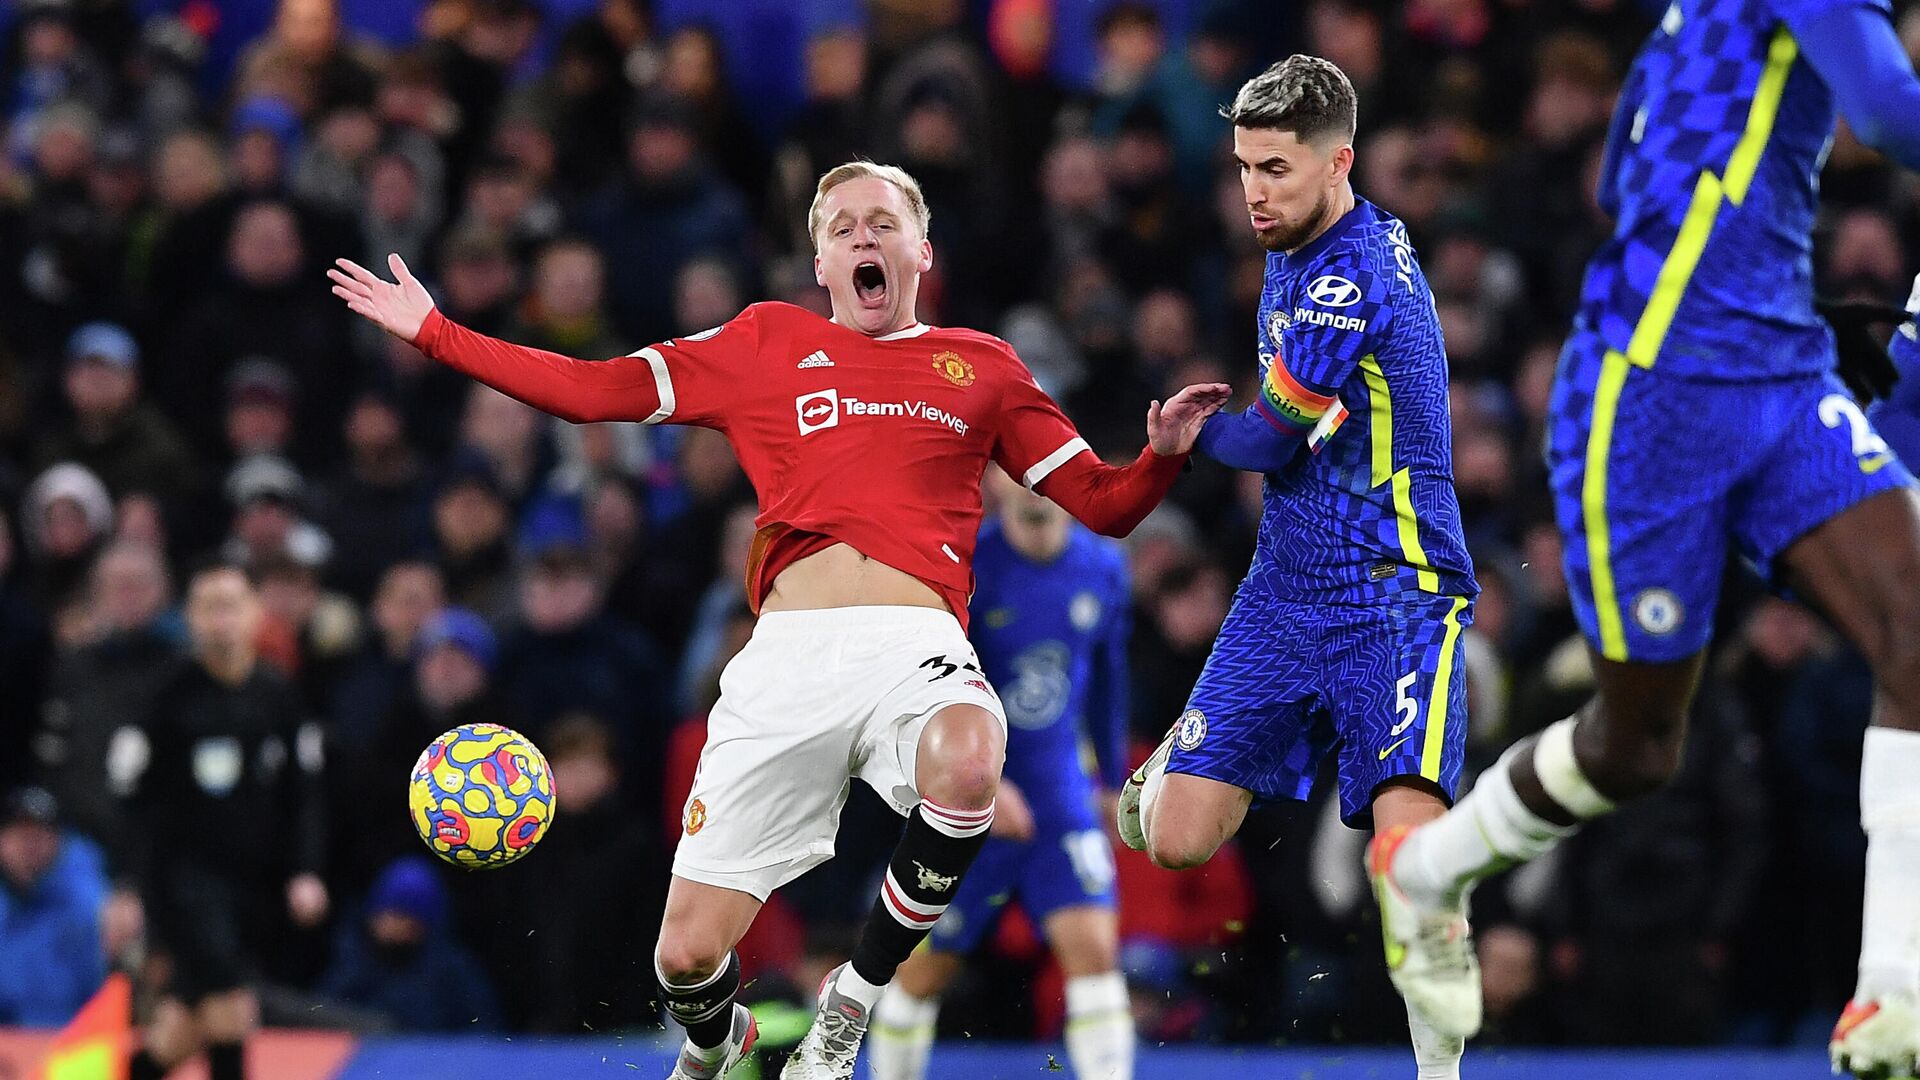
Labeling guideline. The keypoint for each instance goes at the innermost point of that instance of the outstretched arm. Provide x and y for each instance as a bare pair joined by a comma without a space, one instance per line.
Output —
1853,48
634,387
1113,500
1265,436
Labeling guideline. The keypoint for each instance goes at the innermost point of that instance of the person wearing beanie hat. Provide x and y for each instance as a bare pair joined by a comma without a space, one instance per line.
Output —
52,885
401,961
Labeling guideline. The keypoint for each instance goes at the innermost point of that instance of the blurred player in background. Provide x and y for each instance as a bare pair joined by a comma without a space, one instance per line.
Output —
225,827
1345,636
1050,623
1696,413
865,438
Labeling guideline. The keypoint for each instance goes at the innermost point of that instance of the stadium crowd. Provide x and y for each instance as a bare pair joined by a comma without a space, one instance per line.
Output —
591,177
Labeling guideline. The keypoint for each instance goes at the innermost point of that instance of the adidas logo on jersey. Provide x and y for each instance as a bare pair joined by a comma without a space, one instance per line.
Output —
817,358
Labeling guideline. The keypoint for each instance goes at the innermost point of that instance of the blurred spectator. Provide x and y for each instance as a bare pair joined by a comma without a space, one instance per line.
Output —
259,416
225,828
52,887
267,307
1170,645
401,960
306,61
568,653
323,626
127,444
132,650
694,68
373,508
66,518
269,500
478,271
670,207
563,312
472,537
408,595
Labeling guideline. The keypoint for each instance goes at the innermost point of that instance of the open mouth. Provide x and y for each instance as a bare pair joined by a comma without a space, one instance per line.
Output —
870,282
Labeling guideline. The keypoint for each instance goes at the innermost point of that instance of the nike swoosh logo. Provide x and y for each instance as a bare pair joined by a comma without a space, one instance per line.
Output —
1391,749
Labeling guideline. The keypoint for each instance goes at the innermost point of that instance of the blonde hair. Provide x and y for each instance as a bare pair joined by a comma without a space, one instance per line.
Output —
858,170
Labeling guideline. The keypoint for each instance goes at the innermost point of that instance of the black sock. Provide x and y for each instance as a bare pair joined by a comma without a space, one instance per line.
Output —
706,1008
226,1061
144,1066
934,853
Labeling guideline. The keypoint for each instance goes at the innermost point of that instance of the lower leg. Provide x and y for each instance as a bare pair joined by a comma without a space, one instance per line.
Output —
694,961
957,770
1625,743
901,1038
1099,1028
170,1038
227,1019
1890,814
1407,804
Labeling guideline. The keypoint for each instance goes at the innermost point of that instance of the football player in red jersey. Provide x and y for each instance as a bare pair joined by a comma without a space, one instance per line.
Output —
865,438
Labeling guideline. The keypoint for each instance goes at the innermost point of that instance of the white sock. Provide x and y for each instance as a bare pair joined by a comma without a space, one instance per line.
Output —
901,1036
1100,1027
1435,1056
1490,829
852,985
1890,813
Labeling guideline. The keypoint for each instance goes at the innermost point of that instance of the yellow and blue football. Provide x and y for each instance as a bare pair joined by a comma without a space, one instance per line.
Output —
481,796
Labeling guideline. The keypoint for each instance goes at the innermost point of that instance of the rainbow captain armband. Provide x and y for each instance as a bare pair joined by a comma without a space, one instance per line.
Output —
1297,409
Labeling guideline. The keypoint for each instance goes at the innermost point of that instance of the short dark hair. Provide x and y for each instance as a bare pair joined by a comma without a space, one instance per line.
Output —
1303,94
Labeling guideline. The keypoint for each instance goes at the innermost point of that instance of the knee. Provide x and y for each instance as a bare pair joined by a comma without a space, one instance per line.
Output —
1629,768
959,758
1173,848
681,959
1895,653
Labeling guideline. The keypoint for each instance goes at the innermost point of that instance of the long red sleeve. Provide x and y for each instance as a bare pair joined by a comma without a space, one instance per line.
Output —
580,391
1112,500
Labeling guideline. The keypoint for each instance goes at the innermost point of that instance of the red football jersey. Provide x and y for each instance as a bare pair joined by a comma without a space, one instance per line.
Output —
875,442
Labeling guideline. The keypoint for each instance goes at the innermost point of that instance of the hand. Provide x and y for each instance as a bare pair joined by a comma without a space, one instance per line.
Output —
122,919
1012,817
307,898
1172,428
399,307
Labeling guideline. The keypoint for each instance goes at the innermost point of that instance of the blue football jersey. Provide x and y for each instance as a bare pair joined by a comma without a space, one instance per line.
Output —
1053,638
1350,344
1712,178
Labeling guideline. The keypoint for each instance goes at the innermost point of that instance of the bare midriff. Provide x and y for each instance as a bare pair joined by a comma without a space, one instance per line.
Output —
838,576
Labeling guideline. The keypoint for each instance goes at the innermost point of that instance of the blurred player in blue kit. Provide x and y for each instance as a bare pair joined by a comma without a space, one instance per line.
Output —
1697,413
1050,624
1343,642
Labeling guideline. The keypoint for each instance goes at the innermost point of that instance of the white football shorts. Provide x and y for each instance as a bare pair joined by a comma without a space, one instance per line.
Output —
813,700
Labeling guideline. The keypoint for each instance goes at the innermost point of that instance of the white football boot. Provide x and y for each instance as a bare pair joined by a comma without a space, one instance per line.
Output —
739,1043
1133,827
1877,1040
1429,950
833,1042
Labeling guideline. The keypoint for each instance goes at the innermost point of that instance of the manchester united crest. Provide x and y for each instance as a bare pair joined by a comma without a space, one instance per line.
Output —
696,816
952,368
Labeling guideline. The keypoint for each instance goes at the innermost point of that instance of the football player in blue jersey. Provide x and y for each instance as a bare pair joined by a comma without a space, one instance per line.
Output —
1697,413
1050,624
1344,639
